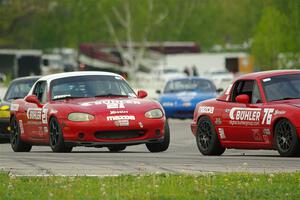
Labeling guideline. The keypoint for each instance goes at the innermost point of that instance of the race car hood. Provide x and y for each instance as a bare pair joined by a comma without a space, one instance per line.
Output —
186,96
108,106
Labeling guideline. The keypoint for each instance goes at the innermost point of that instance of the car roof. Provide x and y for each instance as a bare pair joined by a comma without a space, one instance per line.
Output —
189,78
267,74
25,78
51,77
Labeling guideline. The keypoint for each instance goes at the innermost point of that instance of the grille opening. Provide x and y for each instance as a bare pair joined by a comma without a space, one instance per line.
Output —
119,134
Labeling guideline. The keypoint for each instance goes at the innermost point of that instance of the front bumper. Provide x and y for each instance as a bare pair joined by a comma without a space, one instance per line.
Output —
96,133
105,144
194,128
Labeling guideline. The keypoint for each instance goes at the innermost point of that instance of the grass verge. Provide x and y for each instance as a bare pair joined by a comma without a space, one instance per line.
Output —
162,187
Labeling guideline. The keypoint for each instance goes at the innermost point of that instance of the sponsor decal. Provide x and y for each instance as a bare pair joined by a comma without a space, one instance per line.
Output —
21,126
227,110
266,80
45,116
113,112
123,122
266,138
141,125
218,121
268,114
120,117
245,114
243,123
266,131
206,109
34,113
61,96
221,133
112,104
14,107
250,116
257,135
45,129
40,131
279,112
168,104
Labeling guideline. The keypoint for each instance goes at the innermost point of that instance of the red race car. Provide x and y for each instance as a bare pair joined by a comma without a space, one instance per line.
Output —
258,111
93,109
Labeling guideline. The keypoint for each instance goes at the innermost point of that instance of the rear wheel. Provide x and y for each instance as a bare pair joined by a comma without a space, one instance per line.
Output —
161,146
286,139
116,148
15,138
207,139
56,138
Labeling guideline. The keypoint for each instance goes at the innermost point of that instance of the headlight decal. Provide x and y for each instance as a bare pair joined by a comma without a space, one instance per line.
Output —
80,117
154,114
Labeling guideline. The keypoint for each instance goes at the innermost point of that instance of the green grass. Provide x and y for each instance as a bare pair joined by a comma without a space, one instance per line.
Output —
162,187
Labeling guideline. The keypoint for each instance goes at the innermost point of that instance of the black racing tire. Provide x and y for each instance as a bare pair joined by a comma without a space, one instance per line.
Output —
161,146
207,139
116,148
286,139
15,138
56,139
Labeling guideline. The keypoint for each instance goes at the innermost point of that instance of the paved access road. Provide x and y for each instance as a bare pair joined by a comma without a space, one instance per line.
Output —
182,156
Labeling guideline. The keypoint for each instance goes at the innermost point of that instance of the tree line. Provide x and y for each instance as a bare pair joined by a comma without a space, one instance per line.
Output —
271,27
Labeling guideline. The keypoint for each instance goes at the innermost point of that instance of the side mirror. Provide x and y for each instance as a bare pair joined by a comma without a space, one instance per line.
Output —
219,90
242,98
158,91
142,94
32,99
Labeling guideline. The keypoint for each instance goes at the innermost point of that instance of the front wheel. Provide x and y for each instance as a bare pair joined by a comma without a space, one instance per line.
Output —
56,138
286,139
161,146
207,139
15,138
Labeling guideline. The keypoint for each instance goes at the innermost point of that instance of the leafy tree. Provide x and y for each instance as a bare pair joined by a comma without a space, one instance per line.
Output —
272,36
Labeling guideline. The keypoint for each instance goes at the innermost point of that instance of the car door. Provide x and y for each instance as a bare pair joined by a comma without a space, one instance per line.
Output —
34,113
242,120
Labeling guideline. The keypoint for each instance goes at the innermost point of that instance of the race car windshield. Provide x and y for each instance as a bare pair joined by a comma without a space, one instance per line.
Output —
282,87
189,85
18,90
90,86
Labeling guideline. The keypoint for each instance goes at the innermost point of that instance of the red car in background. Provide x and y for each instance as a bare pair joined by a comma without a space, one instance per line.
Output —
258,111
93,109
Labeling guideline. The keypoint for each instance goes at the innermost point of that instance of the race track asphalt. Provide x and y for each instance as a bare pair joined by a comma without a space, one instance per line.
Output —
182,156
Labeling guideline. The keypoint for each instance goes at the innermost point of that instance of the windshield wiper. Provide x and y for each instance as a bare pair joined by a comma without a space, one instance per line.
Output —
111,95
67,97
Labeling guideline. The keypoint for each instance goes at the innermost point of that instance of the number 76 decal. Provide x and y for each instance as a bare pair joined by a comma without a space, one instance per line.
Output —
268,114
